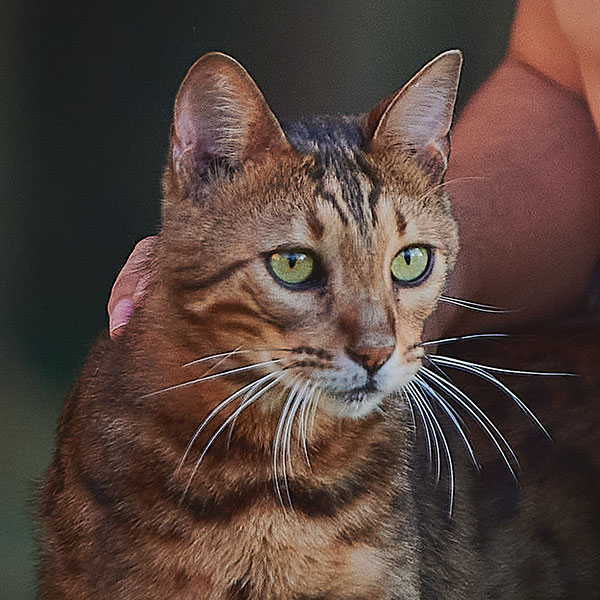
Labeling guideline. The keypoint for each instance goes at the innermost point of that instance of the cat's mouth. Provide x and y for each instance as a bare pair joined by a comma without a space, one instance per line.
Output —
355,402
360,399
362,392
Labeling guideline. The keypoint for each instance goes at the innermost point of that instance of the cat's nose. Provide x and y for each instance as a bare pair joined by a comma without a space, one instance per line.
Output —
371,358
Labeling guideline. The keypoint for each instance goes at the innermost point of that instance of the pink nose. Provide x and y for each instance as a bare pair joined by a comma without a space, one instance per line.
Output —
372,359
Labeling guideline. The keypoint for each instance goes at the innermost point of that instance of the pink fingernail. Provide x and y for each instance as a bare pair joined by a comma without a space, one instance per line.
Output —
120,315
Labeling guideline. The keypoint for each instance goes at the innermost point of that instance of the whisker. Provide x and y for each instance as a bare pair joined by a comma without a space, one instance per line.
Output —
313,413
450,182
303,422
287,432
230,433
234,352
493,369
442,437
214,376
466,178
414,406
405,394
249,388
215,365
493,433
481,371
460,338
420,401
477,306
277,448
213,356
455,418
245,404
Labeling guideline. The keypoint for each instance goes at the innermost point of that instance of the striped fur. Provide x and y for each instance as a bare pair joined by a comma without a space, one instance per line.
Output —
309,482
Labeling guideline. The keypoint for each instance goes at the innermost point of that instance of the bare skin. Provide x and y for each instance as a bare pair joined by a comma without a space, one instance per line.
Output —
129,286
524,175
530,220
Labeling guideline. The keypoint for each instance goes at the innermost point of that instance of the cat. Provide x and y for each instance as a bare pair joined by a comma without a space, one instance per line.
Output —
271,424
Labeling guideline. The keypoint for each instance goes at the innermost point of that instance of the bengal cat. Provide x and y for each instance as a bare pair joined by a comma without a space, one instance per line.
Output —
272,425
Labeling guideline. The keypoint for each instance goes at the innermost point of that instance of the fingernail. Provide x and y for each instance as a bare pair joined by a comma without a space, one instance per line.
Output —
120,315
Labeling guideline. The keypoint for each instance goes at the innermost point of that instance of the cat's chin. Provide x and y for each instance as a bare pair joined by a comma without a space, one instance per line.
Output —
354,404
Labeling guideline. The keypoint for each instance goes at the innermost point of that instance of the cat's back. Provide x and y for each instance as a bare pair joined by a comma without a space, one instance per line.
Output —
540,533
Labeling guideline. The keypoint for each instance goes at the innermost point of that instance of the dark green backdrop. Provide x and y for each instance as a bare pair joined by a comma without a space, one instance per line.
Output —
87,89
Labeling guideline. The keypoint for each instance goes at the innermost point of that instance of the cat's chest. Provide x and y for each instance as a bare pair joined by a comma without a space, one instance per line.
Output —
284,556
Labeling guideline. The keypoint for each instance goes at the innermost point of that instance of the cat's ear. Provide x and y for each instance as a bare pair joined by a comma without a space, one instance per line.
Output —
417,118
221,118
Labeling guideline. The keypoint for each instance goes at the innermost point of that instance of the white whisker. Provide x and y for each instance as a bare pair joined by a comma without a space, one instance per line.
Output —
460,338
234,352
493,369
405,394
413,403
432,435
214,376
245,404
450,182
481,371
287,432
249,388
477,306
278,449
230,433
224,355
215,365
303,421
493,433
442,437
454,417
313,413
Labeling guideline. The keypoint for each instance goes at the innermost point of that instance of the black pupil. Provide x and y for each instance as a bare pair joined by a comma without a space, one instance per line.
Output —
407,257
292,260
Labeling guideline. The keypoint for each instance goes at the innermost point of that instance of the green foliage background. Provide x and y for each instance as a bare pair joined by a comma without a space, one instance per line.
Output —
85,107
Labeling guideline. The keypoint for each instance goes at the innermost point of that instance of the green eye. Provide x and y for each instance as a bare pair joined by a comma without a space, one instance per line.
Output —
411,264
292,267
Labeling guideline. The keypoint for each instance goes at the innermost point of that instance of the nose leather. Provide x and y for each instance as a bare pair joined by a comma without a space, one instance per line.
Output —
371,358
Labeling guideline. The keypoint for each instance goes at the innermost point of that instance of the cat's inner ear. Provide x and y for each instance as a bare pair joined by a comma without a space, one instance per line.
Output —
221,118
417,118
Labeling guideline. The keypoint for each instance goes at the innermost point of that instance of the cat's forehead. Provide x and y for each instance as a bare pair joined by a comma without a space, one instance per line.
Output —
342,192
348,187
329,190
339,201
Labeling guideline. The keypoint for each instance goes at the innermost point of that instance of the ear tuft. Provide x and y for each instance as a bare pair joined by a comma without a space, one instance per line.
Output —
418,117
221,117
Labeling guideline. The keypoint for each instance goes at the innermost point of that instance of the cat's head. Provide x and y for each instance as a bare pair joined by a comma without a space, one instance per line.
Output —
322,245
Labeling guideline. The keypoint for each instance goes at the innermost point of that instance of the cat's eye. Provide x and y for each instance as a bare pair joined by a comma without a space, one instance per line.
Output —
411,265
292,267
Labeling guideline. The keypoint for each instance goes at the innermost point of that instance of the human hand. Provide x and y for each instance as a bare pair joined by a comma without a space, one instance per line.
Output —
524,174
129,286
561,39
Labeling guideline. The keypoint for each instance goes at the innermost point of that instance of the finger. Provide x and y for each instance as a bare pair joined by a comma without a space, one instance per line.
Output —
119,317
130,285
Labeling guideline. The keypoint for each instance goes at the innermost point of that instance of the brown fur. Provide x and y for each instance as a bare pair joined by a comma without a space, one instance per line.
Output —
125,517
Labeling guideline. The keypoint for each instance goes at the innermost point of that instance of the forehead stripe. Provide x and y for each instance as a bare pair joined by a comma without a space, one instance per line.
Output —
400,222
346,172
374,196
218,277
315,225
329,197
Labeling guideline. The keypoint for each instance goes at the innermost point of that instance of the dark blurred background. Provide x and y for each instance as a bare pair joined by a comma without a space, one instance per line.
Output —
85,107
